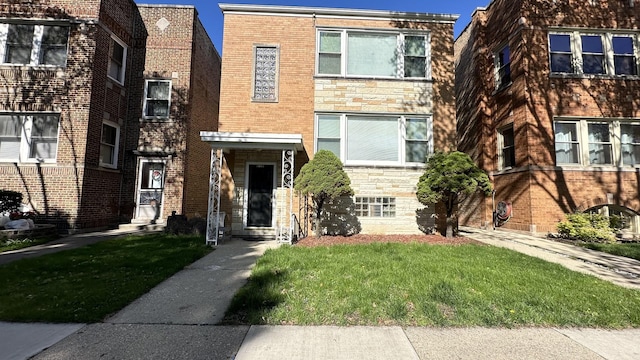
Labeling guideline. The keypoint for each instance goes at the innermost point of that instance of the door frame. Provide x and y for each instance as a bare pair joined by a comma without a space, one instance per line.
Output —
141,162
274,186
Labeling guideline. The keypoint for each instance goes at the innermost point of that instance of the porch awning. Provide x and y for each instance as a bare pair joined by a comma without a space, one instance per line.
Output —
229,141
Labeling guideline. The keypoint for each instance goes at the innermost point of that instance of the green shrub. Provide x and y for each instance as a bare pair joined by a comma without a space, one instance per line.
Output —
586,227
10,201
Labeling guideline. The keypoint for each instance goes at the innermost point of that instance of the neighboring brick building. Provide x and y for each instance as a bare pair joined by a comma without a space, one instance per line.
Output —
67,69
181,93
548,104
99,124
374,87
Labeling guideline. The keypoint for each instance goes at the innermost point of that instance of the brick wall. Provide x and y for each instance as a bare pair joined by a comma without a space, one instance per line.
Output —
181,50
540,192
73,192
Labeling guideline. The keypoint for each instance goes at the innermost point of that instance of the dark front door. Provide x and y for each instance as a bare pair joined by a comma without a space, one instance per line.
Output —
259,210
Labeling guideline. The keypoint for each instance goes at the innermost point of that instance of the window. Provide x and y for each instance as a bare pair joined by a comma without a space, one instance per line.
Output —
117,60
373,54
375,206
28,138
157,99
506,147
502,64
630,139
600,147
33,44
593,53
109,145
265,77
606,142
624,58
561,54
567,143
375,139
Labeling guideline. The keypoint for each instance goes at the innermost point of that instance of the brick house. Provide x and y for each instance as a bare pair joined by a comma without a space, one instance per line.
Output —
67,70
548,105
374,87
180,98
101,105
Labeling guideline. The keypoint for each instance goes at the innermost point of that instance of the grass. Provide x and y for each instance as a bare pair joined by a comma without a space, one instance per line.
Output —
426,285
630,250
16,244
87,284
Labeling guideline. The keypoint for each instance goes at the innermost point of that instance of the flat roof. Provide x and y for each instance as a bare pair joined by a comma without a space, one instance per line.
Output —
336,12
234,140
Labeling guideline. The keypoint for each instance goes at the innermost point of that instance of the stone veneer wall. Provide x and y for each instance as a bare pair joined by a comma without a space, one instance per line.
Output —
392,182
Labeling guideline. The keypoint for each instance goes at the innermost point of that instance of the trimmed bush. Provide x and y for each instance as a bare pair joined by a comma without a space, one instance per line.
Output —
10,201
586,227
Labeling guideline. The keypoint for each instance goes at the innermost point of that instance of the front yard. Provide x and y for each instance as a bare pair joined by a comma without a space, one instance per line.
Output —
417,284
92,282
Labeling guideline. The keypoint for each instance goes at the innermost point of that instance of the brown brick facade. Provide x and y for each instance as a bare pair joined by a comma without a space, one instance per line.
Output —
74,190
540,189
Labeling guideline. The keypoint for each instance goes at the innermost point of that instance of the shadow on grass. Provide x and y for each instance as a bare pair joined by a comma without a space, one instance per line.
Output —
252,304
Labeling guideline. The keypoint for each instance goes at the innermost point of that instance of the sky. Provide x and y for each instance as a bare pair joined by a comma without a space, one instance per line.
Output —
211,16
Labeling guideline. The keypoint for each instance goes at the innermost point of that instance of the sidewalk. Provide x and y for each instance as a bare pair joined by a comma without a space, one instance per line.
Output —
176,320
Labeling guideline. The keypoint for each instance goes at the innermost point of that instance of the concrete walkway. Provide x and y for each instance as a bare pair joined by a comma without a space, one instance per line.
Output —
177,320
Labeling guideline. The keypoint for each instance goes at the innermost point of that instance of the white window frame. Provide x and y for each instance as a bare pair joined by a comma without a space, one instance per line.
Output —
402,138
575,37
26,134
499,66
36,50
123,67
582,128
400,51
147,98
501,147
115,147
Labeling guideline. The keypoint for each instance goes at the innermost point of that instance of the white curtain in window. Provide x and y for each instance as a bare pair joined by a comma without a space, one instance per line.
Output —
372,54
566,149
10,135
599,144
372,139
630,139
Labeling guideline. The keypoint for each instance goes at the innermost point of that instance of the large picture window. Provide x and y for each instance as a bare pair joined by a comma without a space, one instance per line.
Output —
33,44
593,53
28,138
375,139
157,99
597,142
376,54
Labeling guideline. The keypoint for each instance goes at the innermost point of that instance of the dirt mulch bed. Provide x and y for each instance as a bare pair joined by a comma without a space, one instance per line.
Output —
368,239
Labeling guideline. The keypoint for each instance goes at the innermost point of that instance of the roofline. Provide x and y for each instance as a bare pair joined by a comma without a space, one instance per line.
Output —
336,12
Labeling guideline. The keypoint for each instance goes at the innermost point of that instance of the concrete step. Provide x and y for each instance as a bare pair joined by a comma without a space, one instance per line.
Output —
145,226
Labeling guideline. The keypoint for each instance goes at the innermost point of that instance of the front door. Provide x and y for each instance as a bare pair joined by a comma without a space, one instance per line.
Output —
260,195
150,190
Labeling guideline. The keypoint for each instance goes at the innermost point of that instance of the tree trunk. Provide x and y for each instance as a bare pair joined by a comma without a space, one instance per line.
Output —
318,220
451,225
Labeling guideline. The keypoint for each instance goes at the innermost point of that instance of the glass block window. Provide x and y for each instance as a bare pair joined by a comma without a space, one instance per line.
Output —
375,206
265,86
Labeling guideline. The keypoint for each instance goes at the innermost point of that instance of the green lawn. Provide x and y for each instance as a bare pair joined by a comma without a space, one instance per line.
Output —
89,283
630,250
426,285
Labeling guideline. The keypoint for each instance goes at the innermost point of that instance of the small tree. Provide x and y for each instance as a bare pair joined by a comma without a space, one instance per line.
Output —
449,178
324,179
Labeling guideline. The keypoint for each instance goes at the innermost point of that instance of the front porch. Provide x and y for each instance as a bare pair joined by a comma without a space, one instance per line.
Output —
251,186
